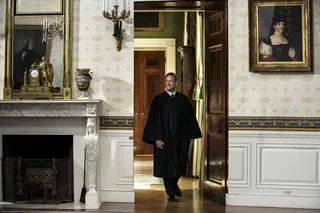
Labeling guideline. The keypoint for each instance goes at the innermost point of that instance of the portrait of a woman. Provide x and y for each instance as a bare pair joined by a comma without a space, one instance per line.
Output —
276,46
279,36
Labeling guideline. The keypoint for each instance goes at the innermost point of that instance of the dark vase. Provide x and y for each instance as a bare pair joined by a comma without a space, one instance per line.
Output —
83,79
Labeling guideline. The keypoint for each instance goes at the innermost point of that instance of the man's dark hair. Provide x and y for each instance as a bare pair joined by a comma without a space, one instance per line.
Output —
27,43
26,40
172,74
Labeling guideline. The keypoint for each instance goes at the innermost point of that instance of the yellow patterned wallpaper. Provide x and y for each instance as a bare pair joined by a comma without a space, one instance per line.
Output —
254,94
250,94
94,47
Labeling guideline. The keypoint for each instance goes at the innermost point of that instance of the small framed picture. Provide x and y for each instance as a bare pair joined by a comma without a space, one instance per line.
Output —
154,22
38,7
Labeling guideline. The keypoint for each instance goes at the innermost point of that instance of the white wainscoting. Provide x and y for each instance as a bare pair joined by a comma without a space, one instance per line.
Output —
274,169
116,166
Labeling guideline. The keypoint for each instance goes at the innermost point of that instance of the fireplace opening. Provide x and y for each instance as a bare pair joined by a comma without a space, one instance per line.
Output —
37,169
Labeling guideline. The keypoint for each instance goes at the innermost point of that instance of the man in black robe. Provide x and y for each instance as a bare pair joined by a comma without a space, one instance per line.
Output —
171,127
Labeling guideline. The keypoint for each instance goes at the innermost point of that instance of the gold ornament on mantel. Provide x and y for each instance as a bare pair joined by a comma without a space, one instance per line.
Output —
38,81
117,21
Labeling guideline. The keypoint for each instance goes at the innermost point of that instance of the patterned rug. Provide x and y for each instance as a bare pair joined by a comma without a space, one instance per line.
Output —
143,173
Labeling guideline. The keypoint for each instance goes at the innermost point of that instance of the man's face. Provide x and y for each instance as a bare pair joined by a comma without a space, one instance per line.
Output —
170,83
25,44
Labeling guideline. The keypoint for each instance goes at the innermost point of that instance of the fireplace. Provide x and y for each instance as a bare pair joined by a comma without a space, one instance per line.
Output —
37,169
78,119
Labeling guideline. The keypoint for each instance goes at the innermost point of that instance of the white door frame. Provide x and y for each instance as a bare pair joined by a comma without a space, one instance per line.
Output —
163,44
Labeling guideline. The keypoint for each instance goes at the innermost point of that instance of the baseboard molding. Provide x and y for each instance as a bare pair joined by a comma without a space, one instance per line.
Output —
273,201
118,196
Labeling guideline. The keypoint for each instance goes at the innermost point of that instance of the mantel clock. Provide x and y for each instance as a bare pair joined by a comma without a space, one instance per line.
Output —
33,87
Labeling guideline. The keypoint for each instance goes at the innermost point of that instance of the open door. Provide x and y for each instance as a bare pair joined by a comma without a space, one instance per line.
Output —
149,71
216,75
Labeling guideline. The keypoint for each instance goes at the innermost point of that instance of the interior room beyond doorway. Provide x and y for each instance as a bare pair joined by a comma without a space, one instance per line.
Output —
157,52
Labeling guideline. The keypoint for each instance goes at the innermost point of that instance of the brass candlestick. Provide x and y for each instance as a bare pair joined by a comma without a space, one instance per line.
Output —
25,78
117,23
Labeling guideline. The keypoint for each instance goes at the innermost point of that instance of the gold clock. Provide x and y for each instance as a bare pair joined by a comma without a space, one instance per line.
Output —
34,78
32,87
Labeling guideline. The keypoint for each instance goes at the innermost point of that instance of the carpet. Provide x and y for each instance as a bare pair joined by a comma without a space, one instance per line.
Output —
143,173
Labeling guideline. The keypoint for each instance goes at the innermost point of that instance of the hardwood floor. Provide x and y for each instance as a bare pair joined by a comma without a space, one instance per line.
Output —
154,200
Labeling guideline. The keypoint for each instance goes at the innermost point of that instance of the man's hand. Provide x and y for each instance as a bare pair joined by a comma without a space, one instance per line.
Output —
159,144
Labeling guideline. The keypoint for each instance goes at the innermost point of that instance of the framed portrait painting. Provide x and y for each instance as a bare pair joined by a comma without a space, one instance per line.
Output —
279,35
154,22
28,48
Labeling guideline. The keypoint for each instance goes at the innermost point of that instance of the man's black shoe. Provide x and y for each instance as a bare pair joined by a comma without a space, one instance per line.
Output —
178,193
171,197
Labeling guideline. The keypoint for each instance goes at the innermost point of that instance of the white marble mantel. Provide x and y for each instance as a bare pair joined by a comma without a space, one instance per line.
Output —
49,108
88,109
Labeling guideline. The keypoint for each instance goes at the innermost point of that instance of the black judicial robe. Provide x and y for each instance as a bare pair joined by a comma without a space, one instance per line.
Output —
172,120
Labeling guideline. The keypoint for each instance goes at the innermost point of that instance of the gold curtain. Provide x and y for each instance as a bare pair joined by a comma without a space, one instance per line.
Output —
198,144
186,31
193,35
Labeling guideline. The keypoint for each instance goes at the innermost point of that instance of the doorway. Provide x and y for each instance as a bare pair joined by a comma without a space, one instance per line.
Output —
214,148
162,52
149,74
149,48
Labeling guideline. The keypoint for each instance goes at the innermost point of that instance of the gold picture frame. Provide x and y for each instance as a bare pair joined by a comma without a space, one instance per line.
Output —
34,21
38,7
158,18
279,37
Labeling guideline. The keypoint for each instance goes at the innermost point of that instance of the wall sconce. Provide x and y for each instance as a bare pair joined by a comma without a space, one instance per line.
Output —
117,20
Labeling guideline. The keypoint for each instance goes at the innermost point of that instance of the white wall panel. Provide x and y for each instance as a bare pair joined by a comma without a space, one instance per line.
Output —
125,162
116,166
291,165
279,169
239,165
